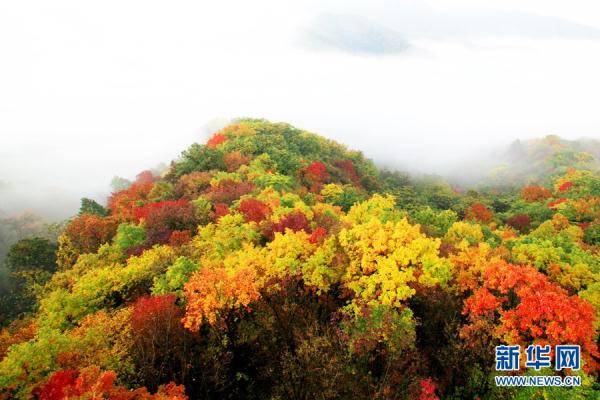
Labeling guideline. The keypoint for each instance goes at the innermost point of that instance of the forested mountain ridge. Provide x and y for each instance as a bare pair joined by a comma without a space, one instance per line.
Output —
271,262
539,160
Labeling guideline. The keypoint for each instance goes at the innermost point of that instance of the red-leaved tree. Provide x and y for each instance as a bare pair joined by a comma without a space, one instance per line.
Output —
228,190
88,231
254,210
159,348
565,186
427,390
216,140
318,235
347,167
161,219
521,222
314,175
95,384
296,221
122,204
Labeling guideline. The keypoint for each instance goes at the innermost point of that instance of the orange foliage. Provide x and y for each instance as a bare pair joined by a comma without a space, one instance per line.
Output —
212,290
122,204
482,303
234,160
227,191
179,238
145,177
480,213
556,202
88,231
535,193
586,207
153,311
469,265
544,312
216,140
17,332
92,383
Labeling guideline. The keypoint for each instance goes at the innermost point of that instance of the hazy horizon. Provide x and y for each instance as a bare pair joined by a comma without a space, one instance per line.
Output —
426,86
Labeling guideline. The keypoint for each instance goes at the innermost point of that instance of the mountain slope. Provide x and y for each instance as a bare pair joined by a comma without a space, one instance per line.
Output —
539,160
274,263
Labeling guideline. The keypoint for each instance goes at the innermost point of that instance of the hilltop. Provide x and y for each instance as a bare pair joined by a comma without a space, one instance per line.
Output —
540,160
270,262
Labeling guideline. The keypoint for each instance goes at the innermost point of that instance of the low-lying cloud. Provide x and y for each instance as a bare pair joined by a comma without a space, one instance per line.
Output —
93,91
353,34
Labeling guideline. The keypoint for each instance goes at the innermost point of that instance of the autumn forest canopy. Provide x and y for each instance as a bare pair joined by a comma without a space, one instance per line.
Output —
272,263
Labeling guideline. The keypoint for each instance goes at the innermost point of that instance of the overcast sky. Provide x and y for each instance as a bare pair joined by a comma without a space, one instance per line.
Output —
89,90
